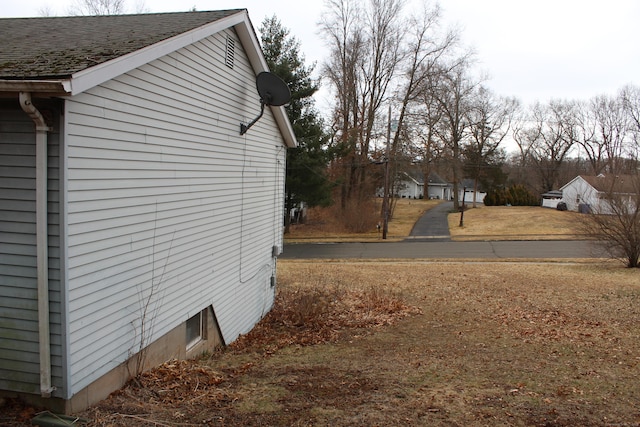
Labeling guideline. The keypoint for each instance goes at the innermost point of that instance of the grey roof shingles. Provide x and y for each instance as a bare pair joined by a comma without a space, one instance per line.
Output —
48,48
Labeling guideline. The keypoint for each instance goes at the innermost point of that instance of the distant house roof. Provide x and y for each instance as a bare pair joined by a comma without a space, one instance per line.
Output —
553,194
46,48
435,179
415,176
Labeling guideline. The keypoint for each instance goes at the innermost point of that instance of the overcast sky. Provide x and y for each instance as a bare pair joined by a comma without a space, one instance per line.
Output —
533,50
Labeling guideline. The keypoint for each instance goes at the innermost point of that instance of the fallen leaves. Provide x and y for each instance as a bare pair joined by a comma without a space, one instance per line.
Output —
318,315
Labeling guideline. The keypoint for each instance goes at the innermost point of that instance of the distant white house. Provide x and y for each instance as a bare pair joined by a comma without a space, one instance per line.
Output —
466,192
412,185
408,186
125,183
588,193
438,188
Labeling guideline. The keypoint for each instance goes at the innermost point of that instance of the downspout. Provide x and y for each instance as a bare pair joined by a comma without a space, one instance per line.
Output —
42,242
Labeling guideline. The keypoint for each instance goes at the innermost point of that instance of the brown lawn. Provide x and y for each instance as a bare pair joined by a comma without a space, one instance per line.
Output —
515,223
480,223
431,343
414,343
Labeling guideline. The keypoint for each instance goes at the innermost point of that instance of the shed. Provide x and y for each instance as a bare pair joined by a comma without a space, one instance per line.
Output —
136,223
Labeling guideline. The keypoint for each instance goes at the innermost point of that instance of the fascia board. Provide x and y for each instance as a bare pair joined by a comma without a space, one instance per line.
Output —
91,77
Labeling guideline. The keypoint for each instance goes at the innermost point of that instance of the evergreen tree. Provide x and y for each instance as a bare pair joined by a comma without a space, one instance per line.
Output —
307,179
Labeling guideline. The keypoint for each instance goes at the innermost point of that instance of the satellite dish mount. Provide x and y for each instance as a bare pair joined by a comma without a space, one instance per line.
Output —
273,92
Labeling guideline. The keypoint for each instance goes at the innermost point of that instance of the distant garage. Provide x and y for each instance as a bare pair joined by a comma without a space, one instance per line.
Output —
551,199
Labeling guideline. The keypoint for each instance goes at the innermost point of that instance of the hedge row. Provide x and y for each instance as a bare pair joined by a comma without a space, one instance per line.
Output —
516,195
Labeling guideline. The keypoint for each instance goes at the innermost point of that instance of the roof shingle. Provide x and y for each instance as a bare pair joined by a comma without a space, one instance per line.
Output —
45,48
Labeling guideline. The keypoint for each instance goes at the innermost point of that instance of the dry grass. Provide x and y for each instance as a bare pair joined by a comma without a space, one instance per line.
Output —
515,223
481,223
473,344
321,225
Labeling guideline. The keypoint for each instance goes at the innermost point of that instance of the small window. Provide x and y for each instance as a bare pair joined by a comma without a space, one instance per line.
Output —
194,330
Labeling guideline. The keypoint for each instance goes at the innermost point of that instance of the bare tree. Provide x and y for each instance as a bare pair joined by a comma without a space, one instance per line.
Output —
594,151
548,139
452,91
97,7
611,126
524,134
342,31
489,118
379,60
615,221
46,11
630,98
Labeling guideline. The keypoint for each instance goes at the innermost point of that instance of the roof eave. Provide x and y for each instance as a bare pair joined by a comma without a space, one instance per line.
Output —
40,88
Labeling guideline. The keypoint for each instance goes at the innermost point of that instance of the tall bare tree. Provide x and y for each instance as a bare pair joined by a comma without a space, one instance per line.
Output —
97,7
611,128
103,7
452,92
594,150
342,31
548,137
489,118
630,97
377,58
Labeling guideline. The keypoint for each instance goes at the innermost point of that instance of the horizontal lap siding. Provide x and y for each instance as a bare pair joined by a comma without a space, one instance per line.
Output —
166,200
19,338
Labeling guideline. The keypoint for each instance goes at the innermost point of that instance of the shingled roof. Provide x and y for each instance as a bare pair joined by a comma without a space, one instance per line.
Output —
626,184
47,48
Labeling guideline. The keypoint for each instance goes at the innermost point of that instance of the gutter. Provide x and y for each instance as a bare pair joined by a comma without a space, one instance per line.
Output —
42,242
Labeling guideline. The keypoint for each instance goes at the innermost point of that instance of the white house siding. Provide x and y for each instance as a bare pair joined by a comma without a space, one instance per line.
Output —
163,189
437,191
579,191
409,188
469,196
19,342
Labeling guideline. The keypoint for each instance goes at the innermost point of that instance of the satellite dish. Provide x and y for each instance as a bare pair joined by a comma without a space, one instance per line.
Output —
273,91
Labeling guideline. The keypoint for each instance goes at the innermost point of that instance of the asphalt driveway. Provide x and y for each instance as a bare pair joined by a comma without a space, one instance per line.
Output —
433,225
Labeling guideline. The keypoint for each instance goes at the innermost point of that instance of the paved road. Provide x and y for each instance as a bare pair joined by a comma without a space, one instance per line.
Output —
430,239
423,249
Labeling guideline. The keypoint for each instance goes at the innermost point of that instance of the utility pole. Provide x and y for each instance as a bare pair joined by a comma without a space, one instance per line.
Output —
464,193
385,200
